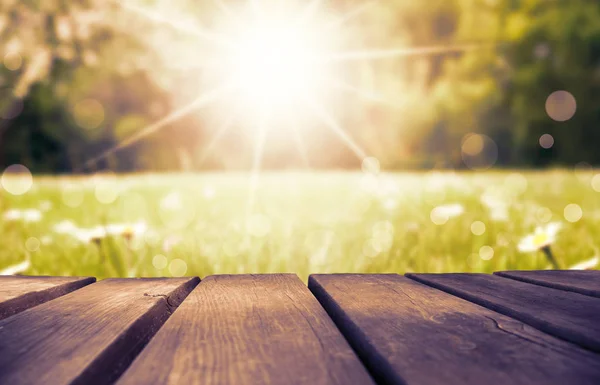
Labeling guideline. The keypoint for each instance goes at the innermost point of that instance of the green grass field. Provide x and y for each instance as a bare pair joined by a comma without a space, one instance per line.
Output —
201,224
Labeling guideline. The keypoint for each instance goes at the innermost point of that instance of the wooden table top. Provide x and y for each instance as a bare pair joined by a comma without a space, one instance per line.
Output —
518,327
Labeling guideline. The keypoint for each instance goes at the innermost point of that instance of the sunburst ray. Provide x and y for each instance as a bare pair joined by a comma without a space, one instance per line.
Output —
259,145
371,54
355,12
300,146
199,102
183,27
363,94
331,123
222,130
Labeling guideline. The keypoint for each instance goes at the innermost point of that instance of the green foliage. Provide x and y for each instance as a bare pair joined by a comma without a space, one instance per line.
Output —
302,223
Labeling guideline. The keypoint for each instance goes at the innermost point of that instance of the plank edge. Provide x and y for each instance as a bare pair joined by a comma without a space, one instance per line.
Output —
129,344
558,286
34,298
376,364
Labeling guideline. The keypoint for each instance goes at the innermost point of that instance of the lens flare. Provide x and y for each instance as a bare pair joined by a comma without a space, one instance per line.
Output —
273,64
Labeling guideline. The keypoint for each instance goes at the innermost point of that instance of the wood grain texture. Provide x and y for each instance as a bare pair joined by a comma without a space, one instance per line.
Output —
571,316
409,333
18,293
88,336
248,329
579,281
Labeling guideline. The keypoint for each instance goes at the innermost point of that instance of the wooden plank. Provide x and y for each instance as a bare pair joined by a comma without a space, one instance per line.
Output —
88,336
18,293
248,329
579,281
408,333
571,316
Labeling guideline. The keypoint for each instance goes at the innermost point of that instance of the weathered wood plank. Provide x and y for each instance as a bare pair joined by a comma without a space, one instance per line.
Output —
571,316
408,333
18,293
248,329
88,336
579,281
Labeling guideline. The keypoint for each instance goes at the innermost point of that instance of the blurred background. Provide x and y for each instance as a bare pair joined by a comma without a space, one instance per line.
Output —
81,76
171,138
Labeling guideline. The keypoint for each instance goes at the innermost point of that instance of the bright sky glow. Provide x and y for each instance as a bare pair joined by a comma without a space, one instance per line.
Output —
267,65
272,64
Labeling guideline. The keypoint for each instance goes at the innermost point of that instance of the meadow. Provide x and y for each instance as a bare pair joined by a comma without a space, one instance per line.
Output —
302,222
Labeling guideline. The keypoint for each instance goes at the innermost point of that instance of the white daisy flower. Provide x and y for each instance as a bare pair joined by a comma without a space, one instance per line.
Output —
543,237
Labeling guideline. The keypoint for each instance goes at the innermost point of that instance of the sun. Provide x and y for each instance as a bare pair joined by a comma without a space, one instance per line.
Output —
273,65
267,63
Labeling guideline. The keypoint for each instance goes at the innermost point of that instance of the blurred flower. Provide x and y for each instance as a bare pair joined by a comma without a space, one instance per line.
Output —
65,227
46,240
32,215
127,231
542,237
94,235
589,264
13,215
450,210
16,269
29,215
441,214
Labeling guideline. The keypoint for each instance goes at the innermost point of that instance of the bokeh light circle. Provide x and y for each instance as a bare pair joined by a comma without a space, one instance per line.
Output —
159,261
561,106
178,267
13,61
573,212
32,244
543,214
478,228
596,182
17,179
479,152
88,114
486,252
546,141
